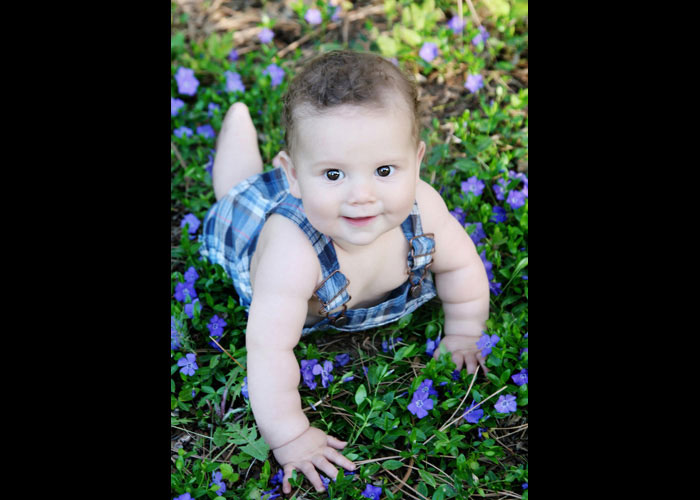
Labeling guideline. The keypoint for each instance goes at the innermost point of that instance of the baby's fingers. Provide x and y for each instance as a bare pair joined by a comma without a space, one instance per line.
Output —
336,443
338,459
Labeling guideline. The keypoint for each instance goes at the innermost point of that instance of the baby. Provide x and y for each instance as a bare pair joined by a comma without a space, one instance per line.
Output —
343,234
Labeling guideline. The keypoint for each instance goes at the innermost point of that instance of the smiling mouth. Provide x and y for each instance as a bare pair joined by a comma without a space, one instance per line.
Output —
359,221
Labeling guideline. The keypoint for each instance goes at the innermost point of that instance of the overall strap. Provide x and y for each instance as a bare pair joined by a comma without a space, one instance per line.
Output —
420,250
332,292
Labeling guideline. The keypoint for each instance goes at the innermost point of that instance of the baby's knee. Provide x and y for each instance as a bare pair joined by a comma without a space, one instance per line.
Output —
237,111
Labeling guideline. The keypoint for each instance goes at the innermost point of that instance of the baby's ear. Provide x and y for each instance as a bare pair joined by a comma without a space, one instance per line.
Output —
291,173
419,157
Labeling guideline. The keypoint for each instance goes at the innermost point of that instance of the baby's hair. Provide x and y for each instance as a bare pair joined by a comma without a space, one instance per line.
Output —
346,77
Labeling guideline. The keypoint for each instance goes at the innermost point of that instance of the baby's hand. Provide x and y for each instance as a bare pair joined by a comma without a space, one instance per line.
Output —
464,351
312,448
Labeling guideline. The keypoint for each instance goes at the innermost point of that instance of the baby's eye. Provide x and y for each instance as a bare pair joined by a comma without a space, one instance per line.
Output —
385,170
334,175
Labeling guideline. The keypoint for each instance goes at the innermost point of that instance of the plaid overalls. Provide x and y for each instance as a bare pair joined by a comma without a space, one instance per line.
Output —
230,233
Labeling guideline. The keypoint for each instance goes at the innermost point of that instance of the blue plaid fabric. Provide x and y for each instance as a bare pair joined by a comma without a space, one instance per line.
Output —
230,233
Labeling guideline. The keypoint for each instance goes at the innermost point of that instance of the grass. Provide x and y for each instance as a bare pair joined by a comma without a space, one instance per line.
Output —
480,135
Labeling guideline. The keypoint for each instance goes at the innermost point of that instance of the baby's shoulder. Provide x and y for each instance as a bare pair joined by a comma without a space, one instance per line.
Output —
433,210
284,257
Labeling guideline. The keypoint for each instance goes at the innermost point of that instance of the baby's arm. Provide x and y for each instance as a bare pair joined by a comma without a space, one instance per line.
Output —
284,282
460,280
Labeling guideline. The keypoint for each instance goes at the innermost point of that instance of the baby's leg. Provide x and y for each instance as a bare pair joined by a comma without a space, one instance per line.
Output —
237,153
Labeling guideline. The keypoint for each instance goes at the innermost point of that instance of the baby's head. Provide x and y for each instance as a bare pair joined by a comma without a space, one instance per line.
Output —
344,77
353,153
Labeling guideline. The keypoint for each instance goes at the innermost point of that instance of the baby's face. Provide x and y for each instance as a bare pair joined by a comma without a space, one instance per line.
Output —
355,170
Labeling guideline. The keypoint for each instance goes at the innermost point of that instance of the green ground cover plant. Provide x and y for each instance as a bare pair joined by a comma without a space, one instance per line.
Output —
417,428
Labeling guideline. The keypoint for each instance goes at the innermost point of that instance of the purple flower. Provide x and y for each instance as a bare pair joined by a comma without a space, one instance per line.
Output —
277,478
180,131
188,364
271,492
175,105
244,391
342,359
524,486
431,345
276,74
186,82
313,16
192,221
495,288
516,199
184,496
506,404
212,107
191,275
391,344
500,188
233,82
523,351
325,481
336,13
499,214
206,131
459,214
184,291
420,406
216,326
473,416
210,165
473,185
425,389
486,342
348,379
216,480
487,264
307,367
428,51
233,55
189,308
266,35
474,83
324,371
455,375
478,234
174,334
456,24
372,492
520,378
481,37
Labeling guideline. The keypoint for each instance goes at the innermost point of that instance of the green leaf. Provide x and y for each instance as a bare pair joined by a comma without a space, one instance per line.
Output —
427,477
410,37
226,471
387,46
405,351
220,438
257,449
392,464
360,395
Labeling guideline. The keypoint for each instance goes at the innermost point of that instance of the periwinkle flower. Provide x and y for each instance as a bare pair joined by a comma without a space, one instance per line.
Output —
372,492
481,37
184,496
488,265
216,326
189,308
313,16
428,51
193,223
207,131
211,108
459,214
266,35
233,55
520,378
473,416
276,74
419,407
456,24
486,342
500,188
180,131
499,214
336,13
184,291
272,494
307,366
342,359
495,288
191,275
244,391
474,83
188,364
473,185
174,334
324,371
234,82
425,389
216,480
175,105
277,478
478,234
186,82
506,404
431,345
516,199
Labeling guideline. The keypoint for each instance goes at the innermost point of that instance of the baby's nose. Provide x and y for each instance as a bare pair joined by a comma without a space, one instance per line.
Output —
361,192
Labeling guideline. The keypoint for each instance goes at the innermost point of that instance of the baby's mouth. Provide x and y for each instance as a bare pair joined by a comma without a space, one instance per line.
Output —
359,221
